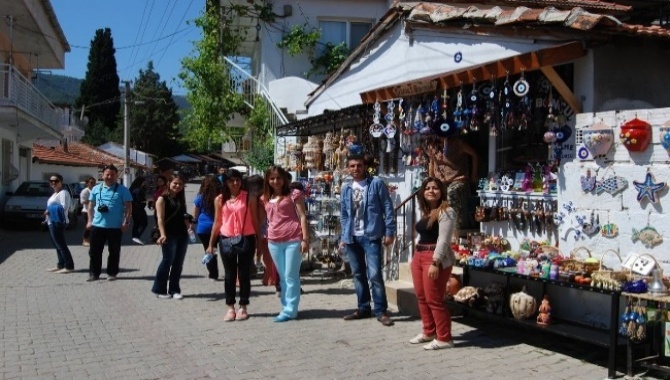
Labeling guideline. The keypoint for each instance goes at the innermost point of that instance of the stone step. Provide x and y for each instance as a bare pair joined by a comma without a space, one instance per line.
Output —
400,294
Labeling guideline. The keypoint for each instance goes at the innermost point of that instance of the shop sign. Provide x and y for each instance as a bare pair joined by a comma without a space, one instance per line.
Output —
414,88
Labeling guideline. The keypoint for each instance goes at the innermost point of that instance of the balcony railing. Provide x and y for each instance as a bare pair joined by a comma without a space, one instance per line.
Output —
17,91
250,88
405,214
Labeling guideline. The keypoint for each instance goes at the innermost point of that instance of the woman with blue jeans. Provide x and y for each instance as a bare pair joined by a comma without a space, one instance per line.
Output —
287,237
57,220
173,227
203,216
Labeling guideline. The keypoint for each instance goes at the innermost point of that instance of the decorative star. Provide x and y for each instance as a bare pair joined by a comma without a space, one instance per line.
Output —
648,188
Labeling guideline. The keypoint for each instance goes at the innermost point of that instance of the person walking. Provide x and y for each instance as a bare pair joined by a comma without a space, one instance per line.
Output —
109,211
368,221
57,220
235,216
288,237
173,224
140,220
203,216
84,199
432,263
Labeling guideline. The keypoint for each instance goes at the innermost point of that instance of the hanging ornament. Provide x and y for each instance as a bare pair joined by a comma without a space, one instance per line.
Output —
598,138
521,87
648,188
588,182
635,135
612,185
665,136
648,236
376,129
609,230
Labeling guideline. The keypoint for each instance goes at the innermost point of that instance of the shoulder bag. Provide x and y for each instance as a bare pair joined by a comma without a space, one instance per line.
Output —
235,244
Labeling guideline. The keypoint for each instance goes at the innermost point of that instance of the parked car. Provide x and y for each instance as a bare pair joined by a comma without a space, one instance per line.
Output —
26,205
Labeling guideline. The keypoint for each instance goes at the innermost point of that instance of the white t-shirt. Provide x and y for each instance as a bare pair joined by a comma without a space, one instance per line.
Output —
358,192
84,197
63,198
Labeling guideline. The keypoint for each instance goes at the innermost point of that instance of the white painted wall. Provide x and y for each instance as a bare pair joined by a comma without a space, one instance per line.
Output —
70,173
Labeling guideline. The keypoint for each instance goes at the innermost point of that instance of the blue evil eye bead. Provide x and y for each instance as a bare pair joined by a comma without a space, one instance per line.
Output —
665,139
458,57
559,135
444,127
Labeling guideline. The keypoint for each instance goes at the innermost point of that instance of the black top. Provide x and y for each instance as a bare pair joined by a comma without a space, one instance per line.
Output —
427,235
174,217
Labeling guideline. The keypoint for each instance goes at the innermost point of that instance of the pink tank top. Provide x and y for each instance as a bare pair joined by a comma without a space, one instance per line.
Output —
232,217
283,221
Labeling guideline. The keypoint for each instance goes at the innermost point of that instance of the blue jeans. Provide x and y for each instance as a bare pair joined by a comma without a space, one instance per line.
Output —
57,232
174,252
365,258
287,259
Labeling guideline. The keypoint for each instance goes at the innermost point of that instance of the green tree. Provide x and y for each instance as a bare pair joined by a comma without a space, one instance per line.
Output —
212,97
99,92
154,121
96,133
261,155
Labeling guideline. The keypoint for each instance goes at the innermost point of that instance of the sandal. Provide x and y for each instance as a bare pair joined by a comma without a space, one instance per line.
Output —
438,345
422,339
230,315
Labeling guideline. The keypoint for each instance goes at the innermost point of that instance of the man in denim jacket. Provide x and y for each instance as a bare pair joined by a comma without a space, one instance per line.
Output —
368,220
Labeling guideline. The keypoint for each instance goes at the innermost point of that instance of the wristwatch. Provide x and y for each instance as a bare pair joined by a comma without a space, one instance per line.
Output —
437,264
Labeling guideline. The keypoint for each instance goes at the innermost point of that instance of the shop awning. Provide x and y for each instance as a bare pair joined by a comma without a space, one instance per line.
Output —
543,59
327,122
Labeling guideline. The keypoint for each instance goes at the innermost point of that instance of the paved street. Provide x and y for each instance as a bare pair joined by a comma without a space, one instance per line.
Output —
56,326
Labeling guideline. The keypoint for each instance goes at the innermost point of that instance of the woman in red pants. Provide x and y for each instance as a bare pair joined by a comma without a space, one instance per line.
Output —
432,263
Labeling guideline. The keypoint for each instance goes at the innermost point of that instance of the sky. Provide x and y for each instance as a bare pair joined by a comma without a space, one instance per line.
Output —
142,30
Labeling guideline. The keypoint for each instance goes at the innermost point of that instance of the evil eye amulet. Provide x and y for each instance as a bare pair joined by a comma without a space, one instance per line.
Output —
665,138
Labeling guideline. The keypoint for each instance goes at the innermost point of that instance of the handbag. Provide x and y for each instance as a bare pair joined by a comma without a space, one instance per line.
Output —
235,244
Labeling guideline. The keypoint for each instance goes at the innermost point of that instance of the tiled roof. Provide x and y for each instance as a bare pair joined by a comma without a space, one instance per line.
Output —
91,152
571,18
56,156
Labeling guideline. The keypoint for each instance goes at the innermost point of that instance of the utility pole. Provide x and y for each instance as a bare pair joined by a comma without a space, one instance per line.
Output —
126,134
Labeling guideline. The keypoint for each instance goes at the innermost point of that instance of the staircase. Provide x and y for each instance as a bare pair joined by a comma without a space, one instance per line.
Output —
252,90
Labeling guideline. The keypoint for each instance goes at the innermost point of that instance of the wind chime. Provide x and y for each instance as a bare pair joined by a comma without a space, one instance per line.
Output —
312,153
295,156
328,151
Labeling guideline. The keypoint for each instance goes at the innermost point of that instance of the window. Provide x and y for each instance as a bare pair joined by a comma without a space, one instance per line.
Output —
350,32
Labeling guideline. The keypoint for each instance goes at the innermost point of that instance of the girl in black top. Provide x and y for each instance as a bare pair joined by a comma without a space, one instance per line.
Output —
173,227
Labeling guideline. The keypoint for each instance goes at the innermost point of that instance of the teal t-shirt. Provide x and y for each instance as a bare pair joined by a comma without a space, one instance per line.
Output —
114,197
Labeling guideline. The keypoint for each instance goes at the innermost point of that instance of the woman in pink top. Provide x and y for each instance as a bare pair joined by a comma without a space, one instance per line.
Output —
235,215
287,237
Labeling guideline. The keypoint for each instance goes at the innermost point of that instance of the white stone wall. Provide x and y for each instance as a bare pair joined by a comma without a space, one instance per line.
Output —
623,209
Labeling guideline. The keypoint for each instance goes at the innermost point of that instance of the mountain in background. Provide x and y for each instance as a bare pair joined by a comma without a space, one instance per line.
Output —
64,90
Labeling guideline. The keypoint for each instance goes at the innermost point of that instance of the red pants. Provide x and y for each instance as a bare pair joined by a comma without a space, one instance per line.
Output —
435,315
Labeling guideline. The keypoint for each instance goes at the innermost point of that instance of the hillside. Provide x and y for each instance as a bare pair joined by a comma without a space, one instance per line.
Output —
64,90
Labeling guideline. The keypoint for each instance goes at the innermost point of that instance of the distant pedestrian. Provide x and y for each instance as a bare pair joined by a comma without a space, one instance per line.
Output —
368,221
203,216
288,237
235,216
173,224
161,186
222,176
140,220
432,262
109,212
84,199
57,221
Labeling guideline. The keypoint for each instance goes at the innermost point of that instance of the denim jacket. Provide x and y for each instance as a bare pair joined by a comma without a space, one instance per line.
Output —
379,214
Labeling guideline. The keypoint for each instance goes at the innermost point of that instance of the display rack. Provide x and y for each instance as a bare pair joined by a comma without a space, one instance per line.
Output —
603,337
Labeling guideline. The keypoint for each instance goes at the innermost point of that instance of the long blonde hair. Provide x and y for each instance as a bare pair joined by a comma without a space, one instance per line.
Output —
426,211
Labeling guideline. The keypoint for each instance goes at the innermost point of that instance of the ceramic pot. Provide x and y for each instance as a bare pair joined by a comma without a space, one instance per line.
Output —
598,139
635,135
522,305
664,138
453,286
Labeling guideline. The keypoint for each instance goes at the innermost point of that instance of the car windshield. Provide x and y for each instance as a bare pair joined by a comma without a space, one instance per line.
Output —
34,189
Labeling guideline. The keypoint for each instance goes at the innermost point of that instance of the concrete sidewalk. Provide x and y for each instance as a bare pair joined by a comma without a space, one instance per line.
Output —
60,326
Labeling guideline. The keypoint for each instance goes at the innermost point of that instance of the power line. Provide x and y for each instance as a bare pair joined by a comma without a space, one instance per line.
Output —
178,25
139,27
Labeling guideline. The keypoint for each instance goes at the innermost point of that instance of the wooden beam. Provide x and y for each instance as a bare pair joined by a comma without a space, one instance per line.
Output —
562,88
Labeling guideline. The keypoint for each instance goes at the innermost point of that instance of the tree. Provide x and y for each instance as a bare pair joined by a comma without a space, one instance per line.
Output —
154,123
96,133
99,92
211,95
261,155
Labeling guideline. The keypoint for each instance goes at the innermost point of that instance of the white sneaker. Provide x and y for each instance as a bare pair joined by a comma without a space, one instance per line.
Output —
177,296
138,241
164,296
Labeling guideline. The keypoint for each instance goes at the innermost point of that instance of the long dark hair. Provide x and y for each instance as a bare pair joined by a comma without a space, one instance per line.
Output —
254,185
209,188
225,191
136,183
180,195
268,191
426,211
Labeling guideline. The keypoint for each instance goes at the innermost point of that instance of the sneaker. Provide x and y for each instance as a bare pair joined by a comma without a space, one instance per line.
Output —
177,296
281,318
111,278
92,278
64,271
164,296
438,345
242,315
422,339
138,241
85,243
230,315
54,269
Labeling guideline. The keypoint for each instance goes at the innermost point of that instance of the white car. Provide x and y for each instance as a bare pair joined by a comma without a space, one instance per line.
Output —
26,205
